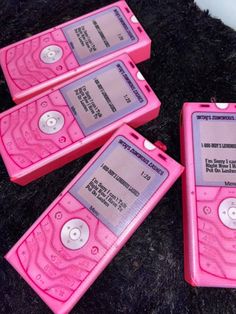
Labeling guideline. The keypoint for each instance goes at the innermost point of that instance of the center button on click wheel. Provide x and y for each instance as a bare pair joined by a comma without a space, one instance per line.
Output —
232,212
51,122
75,234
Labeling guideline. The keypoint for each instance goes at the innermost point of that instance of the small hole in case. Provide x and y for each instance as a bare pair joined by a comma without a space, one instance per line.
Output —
204,105
162,157
127,10
148,88
132,65
140,29
134,135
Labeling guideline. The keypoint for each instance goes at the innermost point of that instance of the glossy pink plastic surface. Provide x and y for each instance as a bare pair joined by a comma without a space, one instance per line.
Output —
209,246
27,75
28,153
61,276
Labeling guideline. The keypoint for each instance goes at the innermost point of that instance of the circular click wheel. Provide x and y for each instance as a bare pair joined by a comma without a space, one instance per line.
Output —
51,54
51,122
227,212
74,234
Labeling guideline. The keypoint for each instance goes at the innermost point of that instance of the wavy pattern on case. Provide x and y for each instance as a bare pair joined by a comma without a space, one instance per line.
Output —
23,140
217,242
25,66
50,265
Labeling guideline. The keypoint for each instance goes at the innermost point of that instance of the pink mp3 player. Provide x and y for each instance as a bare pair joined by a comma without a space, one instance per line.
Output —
78,235
208,136
64,123
46,59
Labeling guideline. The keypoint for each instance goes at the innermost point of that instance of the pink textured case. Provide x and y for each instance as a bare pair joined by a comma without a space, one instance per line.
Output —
46,59
209,204
62,124
72,242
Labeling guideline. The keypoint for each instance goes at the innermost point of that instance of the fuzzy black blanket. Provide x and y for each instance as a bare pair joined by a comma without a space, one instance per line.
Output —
193,59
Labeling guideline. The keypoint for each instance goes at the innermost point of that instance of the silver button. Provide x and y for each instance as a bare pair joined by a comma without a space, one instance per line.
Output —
51,54
227,212
74,234
51,122
232,212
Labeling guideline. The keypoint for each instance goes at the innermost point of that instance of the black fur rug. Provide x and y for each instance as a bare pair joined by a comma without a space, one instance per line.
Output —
193,59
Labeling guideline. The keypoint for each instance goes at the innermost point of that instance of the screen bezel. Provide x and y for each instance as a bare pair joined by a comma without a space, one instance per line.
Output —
114,116
137,206
93,57
199,181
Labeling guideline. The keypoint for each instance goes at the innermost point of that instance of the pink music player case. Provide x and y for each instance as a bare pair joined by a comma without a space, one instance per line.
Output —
74,118
79,234
53,56
209,244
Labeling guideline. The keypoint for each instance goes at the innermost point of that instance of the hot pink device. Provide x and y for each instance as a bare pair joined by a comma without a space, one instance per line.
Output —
46,59
64,123
72,242
208,136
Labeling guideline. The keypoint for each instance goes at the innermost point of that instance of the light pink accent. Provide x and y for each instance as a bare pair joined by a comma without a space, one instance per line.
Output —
27,75
61,276
29,153
209,246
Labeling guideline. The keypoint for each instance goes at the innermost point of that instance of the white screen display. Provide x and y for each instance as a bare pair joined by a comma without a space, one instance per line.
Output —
102,97
99,34
118,185
215,148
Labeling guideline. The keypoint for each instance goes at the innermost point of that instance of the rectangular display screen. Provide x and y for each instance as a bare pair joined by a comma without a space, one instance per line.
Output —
119,183
214,137
99,34
103,97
